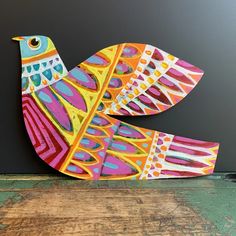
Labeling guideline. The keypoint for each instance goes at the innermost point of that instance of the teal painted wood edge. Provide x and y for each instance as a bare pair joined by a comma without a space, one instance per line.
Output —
36,181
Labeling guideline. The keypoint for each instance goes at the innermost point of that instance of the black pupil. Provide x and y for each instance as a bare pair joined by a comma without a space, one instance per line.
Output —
34,42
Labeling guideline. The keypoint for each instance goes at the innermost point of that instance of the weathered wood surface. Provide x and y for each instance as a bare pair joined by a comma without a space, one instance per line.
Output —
51,205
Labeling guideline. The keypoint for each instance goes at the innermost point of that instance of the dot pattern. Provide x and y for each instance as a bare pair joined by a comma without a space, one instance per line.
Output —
156,157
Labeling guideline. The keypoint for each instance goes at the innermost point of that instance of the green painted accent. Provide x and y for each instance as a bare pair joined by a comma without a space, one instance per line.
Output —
9,196
216,204
212,197
2,226
10,182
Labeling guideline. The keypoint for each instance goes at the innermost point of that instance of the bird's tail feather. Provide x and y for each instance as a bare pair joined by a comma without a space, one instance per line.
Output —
139,153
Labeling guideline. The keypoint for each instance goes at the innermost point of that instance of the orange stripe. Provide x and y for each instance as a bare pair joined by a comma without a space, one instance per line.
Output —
41,56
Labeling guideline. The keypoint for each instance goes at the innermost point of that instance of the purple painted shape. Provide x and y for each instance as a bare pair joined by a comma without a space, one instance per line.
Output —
169,84
179,76
115,83
185,162
123,147
55,107
188,66
100,121
129,51
123,111
129,132
114,166
134,107
140,77
194,142
157,55
78,75
188,151
72,95
41,134
156,93
146,101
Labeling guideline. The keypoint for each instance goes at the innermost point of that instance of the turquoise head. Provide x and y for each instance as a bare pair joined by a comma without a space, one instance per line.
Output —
35,47
41,63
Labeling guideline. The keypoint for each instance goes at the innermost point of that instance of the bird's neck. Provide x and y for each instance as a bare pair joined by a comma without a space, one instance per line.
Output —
42,72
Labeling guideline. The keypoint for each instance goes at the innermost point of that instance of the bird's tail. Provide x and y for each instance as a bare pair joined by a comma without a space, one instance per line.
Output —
138,153
179,157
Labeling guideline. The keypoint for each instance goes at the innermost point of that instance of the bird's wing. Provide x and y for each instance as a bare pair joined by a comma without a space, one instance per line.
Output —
143,79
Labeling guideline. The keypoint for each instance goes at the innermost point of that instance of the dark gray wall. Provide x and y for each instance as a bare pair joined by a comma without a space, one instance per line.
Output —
202,32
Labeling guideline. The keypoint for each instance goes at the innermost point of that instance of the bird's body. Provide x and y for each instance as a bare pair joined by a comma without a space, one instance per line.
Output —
67,113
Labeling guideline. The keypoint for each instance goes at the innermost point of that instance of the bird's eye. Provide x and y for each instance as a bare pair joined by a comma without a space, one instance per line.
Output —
34,43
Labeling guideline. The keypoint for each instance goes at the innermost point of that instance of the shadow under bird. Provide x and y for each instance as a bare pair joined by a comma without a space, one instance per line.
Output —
66,113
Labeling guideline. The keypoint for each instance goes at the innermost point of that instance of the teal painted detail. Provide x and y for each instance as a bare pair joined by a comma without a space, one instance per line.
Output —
96,120
27,51
62,87
58,68
125,132
9,196
216,203
114,127
36,79
107,140
28,69
119,146
71,168
80,155
139,163
101,154
44,97
100,107
107,95
36,67
85,141
95,60
24,83
48,74
44,64
79,75
91,131
110,165
145,145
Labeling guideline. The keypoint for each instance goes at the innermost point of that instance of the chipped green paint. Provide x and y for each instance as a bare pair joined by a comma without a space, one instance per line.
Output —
47,181
9,196
212,197
2,226
216,204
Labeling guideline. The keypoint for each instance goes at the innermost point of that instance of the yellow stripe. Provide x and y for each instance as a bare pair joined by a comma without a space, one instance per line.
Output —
93,110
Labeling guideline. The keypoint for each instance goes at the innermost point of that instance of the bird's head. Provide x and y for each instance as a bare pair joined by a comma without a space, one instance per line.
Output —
41,63
35,47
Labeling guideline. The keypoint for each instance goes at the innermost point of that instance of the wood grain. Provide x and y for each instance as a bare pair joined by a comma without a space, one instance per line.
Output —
51,205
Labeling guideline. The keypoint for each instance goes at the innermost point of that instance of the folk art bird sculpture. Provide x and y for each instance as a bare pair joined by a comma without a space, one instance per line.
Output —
66,113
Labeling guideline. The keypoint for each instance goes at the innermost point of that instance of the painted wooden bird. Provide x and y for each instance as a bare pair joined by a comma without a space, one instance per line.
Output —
66,113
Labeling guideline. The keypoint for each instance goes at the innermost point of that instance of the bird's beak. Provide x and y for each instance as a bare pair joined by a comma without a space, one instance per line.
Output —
19,38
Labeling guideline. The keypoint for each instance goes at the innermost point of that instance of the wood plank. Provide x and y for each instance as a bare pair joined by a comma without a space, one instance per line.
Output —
52,205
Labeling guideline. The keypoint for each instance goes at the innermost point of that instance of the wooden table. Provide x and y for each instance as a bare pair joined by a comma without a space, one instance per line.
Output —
55,205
